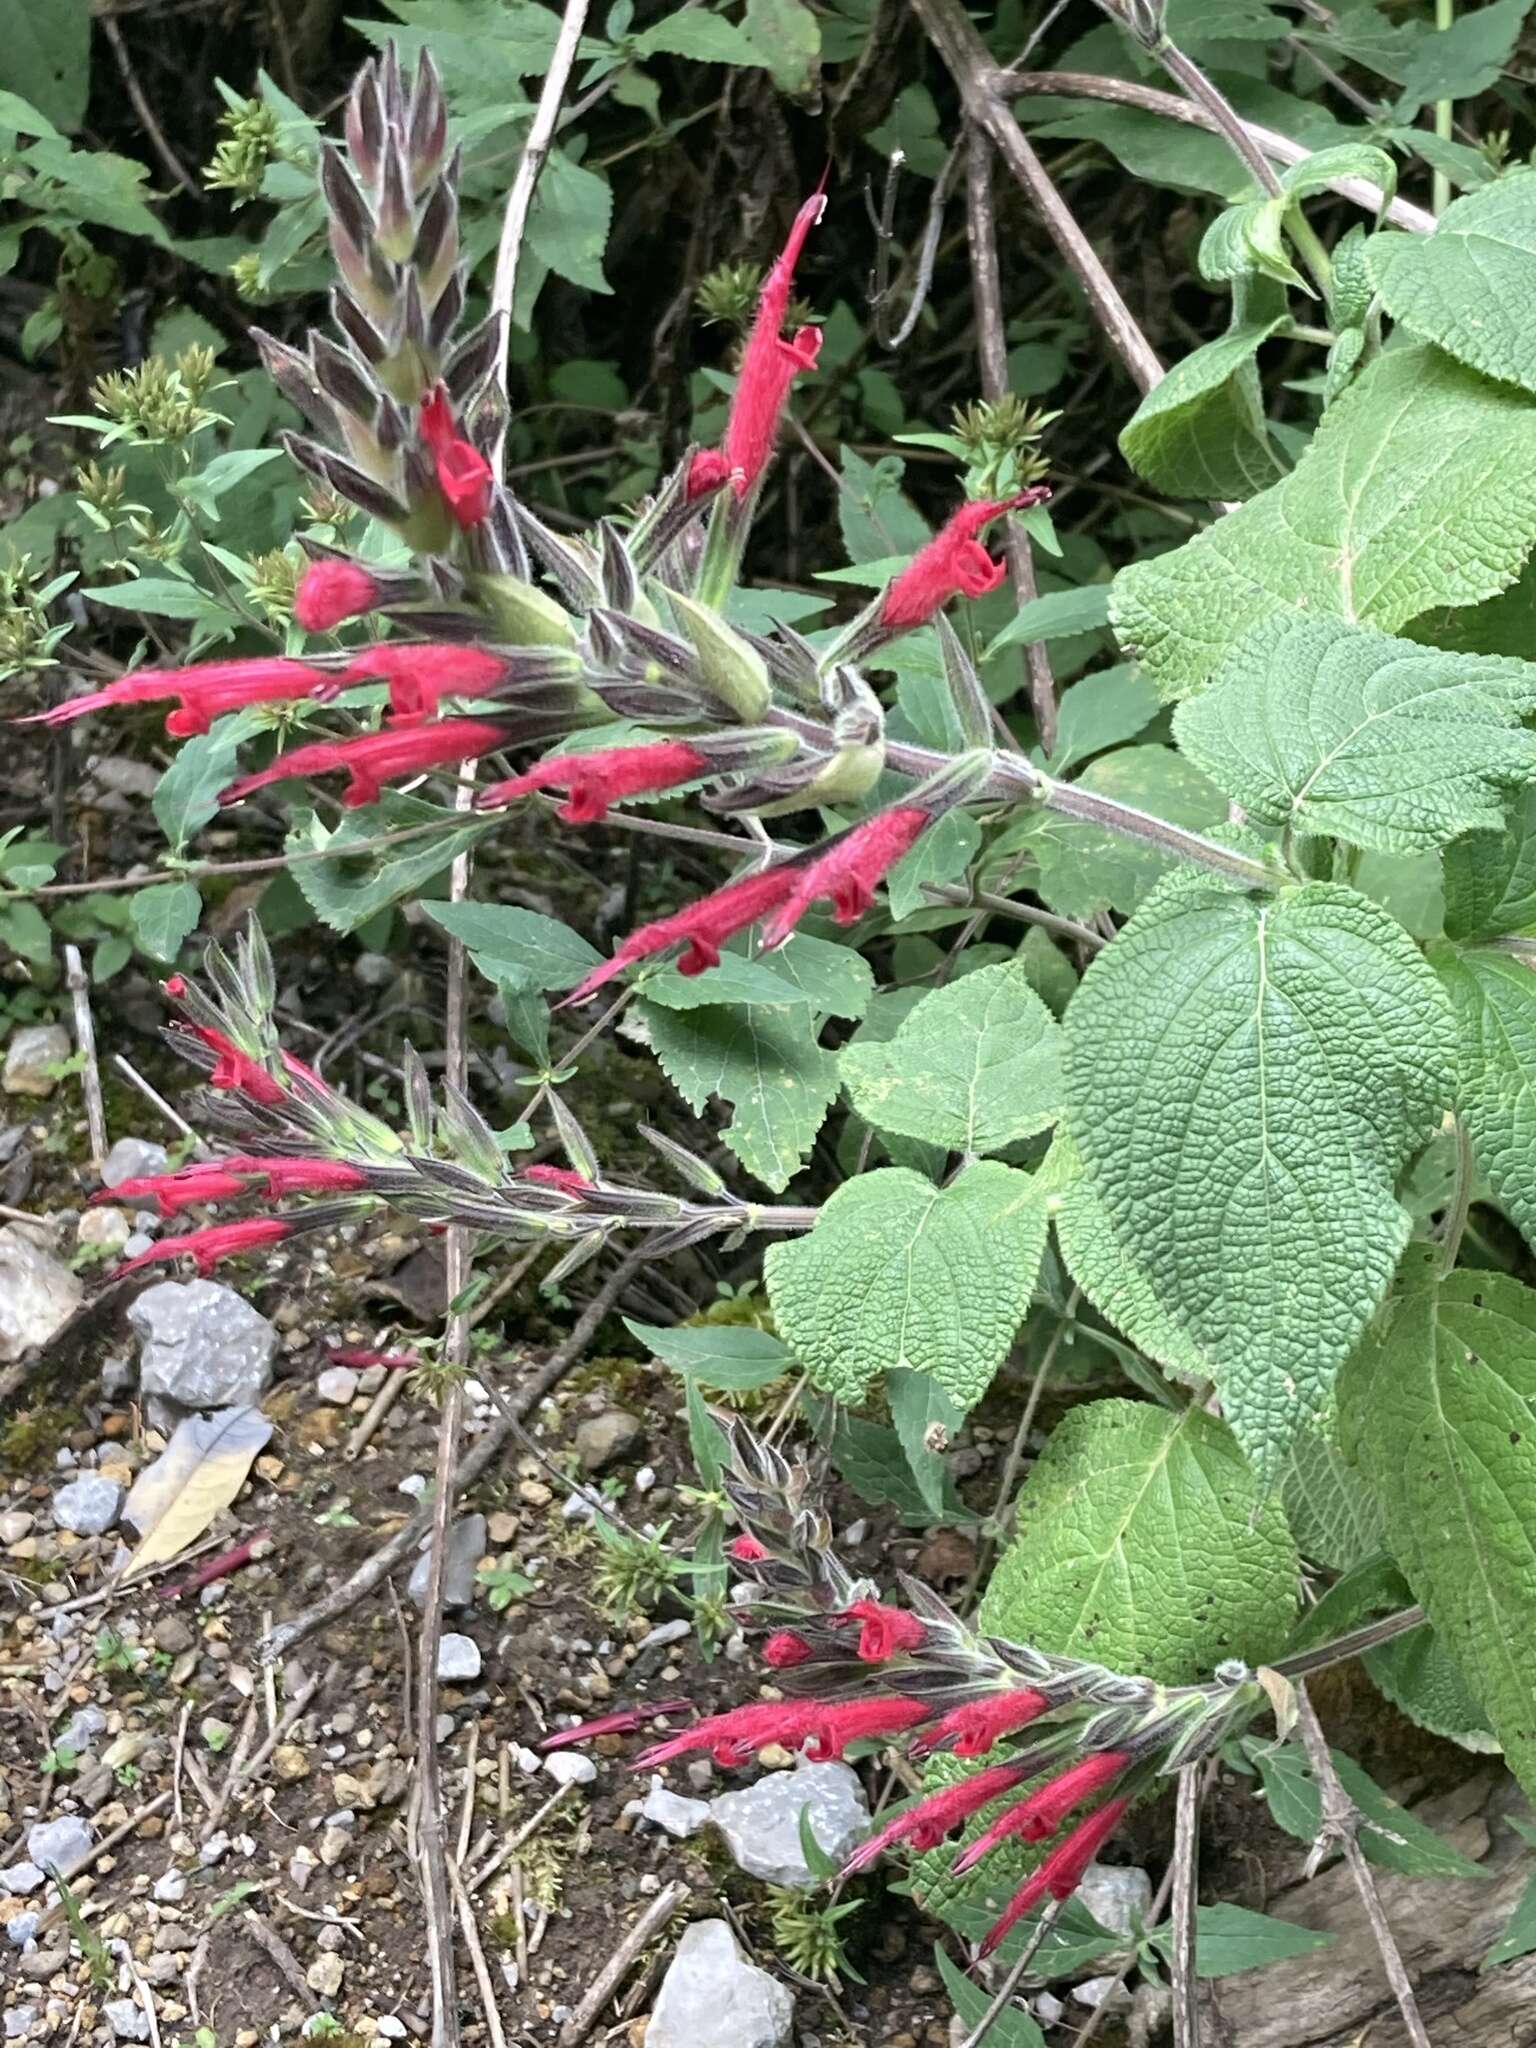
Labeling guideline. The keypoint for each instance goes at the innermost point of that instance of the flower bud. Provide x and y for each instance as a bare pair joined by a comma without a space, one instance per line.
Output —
728,668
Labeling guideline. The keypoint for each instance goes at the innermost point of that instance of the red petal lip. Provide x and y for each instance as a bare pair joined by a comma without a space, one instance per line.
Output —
953,564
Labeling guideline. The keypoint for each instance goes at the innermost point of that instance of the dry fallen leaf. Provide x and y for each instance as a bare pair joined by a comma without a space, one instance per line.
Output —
204,1467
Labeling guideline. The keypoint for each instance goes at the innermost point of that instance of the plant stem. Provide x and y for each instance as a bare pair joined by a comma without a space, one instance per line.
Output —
1440,189
1186,1891
1354,1644
1461,1198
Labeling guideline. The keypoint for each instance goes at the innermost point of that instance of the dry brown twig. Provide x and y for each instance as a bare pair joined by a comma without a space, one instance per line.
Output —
1340,1823
608,1979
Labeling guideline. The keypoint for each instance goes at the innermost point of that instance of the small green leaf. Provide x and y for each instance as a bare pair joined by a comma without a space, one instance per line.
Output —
706,38
733,1357
24,929
1231,1938
165,597
1490,877
187,794
1438,1409
1493,996
926,1419
348,887
165,917
1011,2029
519,945
788,36
1104,710
1200,432
1128,1509
941,855
1389,1834
1519,1936
973,1067
568,225
897,1272
765,1063
1058,615
1331,729
48,57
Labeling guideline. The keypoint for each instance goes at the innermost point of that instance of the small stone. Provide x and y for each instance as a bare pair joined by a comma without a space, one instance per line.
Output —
337,1384
1116,1894
605,1438
534,1493
570,1767
84,1727
106,1230
290,1763
17,2019
171,1634
680,1817
325,1975
204,1346
458,1659
38,1295
42,1964
127,2019
700,1773
1048,2008
21,1879
761,1824
33,1052
15,1524
21,1927
133,1159
414,1484
501,1527
333,1844
466,1547
170,1888
392,2028
645,1479
712,1997
1097,1991
88,1506
578,1507
663,1633
61,1845
528,1761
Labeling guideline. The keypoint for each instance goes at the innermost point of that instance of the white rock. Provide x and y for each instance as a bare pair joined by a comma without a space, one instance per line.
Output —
21,1927
127,2019
61,1845
88,1506
325,1974
466,1547
761,1824
204,1345
1048,2008
458,1658
528,1761
32,1051
570,1767
133,1159
338,1385
21,1878
645,1479
104,1229
670,1810
1116,1894
663,1633
84,1727
170,1888
390,2026
1097,1991
712,1997
38,1295
15,1524
17,2019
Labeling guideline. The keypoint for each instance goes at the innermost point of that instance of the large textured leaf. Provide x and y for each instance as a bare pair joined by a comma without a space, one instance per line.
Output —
520,946
1332,1515
1245,1080
765,1063
1438,1408
898,1272
1470,287
974,1067
1418,490
1494,998
1329,728
1200,433
1490,877
1143,1542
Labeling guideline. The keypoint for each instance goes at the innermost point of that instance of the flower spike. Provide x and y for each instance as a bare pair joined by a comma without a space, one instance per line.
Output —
848,870
377,757
207,1247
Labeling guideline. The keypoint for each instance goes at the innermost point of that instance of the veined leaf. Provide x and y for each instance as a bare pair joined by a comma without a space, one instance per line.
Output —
1389,1834
1144,1542
1245,1081
1438,1409
346,888
724,1355
202,1470
1470,287
164,917
1490,877
973,1067
765,1063
897,1272
1200,433
1332,1515
507,943
1231,1938
1417,490
1494,998
1329,728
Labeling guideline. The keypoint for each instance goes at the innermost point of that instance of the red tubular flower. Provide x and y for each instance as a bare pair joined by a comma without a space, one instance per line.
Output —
330,591
464,476
927,1823
784,1649
219,1567
884,1630
703,927
205,691
746,1549
953,564
360,1357
236,1070
1060,1874
207,1247
617,1723
564,1177
596,780
846,1721
173,1192
1038,1817
848,871
420,674
377,757
736,1737
226,1180
769,366
979,1725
